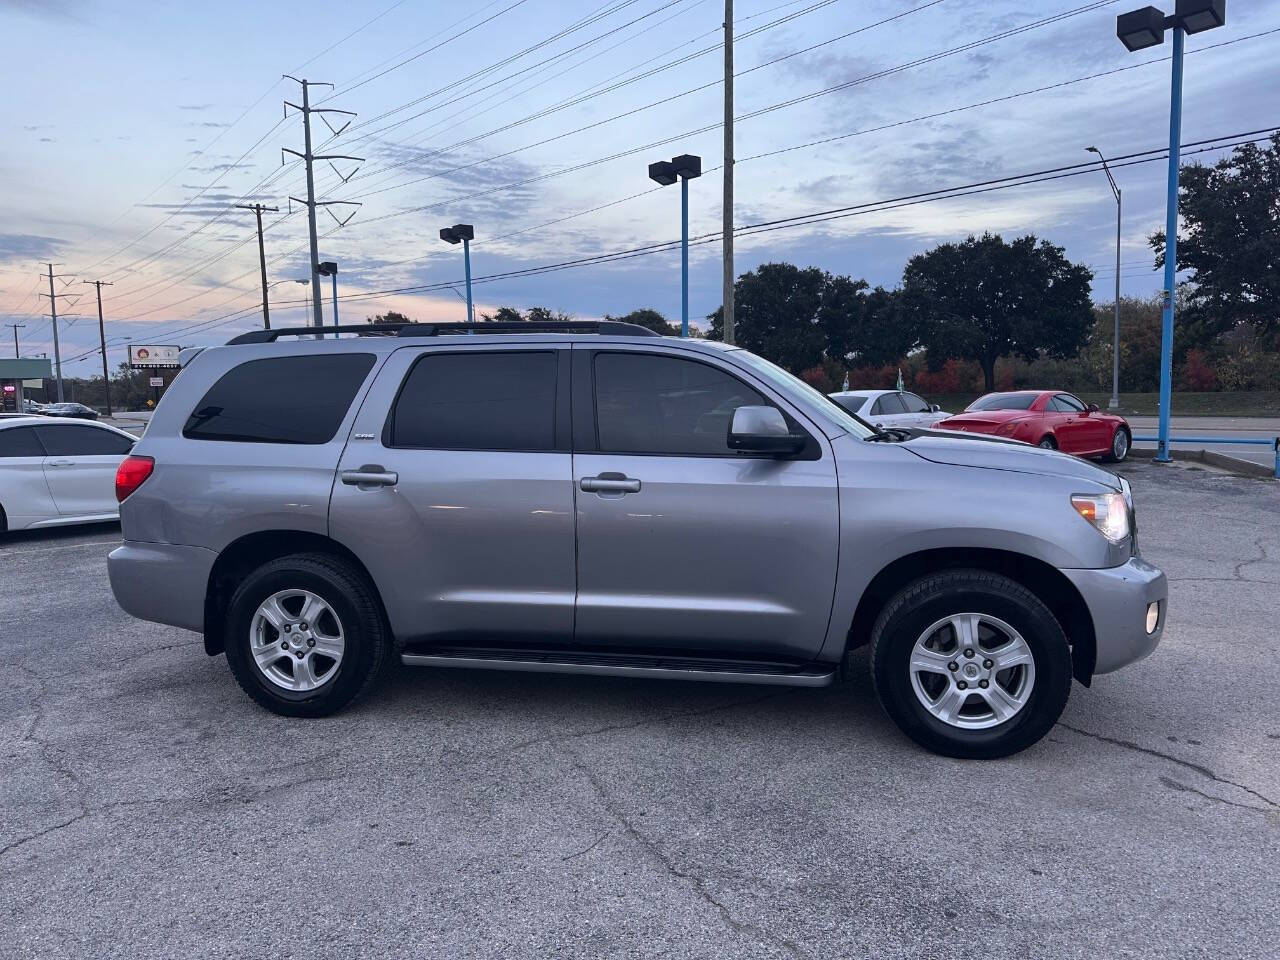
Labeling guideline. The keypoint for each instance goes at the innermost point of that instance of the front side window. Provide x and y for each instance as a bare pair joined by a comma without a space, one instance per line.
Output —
888,405
646,403
1066,403
77,440
477,401
20,442
915,404
280,399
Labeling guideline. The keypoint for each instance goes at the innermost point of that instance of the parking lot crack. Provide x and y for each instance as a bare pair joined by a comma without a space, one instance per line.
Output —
655,852
1262,551
1185,764
1184,788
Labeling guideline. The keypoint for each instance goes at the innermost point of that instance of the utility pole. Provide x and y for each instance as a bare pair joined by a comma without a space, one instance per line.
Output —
258,209
53,315
727,242
16,328
311,202
102,338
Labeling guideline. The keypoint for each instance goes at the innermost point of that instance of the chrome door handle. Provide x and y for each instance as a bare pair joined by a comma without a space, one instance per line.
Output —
609,483
370,476
62,463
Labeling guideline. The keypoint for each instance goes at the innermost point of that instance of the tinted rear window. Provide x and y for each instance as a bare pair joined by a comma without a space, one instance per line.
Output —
280,399
478,401
20,442
1004,401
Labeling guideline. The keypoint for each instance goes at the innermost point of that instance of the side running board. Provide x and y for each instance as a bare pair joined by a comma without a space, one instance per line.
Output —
614,665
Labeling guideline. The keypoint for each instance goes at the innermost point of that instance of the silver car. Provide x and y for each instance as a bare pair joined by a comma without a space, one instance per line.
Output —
592,498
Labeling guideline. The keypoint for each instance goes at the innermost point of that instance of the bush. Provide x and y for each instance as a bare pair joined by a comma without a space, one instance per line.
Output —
1197,373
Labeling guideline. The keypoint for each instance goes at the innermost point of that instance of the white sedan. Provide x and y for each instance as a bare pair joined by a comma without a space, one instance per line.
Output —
55,472
890,408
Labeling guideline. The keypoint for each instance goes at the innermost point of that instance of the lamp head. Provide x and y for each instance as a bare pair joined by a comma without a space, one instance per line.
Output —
1197,15
1140,29
463,231
448,236
663,172
687,166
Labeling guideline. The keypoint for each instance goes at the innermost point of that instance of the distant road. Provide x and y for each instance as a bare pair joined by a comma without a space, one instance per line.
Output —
1260,427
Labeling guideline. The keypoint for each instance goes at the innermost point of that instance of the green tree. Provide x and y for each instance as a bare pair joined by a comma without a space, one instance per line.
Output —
1230,241
983,299
650,319
546,315
503,315
864,327
391,316
776,314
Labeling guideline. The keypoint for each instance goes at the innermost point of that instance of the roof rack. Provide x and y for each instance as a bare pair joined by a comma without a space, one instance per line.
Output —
602,327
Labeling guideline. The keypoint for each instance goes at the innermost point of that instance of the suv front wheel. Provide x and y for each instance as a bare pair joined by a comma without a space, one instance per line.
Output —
971,664
305,635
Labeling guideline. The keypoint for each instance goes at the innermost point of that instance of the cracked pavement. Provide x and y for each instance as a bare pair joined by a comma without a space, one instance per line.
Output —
149,809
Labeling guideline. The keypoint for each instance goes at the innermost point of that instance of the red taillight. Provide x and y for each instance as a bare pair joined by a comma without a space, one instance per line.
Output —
131,473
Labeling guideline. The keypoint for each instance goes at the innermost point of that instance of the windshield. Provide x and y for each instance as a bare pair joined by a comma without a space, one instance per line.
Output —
1004,401
792,384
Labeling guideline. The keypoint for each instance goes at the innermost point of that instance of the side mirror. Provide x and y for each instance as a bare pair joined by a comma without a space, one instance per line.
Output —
1092,408
763,430
935,408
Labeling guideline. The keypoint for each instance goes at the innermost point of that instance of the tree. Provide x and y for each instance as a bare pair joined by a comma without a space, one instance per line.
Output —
984,299
545,315
776,314
650,319
503,315
1230,242
533,314
390,316
864,327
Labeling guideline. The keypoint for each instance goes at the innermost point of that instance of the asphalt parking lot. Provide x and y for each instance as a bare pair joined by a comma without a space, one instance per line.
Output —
149,809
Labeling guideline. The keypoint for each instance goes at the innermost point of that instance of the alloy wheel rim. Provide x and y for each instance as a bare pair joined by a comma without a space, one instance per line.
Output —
296,640
972,671
1120,445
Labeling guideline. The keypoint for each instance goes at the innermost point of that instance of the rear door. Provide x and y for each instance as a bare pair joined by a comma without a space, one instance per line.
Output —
80,467
684,545
456,491
918,412
24,493
889,411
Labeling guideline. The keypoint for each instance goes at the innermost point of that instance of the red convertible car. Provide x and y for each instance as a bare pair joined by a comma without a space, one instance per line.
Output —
1047,418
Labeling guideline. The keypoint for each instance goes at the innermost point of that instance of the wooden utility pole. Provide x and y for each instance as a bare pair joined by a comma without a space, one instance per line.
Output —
727,243
258,208
102,339
16,328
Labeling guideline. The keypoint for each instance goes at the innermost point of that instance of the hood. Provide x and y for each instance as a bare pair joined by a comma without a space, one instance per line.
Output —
997,453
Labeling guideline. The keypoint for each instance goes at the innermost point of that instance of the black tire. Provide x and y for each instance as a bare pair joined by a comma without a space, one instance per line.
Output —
4,521
1048,443
1111,456
931,598
348,592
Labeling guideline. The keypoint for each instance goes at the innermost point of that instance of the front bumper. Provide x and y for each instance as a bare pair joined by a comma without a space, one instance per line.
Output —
1118,598
162,582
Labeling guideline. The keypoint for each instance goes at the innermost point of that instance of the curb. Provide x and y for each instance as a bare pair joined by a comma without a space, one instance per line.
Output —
1234,465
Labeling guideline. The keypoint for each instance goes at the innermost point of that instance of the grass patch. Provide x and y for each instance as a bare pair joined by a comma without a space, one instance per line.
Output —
1256,403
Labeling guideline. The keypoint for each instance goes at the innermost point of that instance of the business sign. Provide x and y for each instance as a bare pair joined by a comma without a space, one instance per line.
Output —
157,381
144,356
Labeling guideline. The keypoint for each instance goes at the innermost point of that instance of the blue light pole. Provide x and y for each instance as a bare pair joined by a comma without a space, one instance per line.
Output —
1138,30
464,233
665,172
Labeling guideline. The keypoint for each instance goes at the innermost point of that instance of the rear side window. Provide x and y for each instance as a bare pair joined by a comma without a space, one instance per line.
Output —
75,440
280,399
888,405
915,404
477,401
20,442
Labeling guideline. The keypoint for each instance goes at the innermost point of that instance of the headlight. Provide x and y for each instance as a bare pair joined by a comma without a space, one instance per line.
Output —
1107,511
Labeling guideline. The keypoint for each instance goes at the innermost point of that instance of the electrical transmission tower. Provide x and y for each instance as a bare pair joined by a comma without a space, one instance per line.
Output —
309,158
102,339
258,209
54,296
16,328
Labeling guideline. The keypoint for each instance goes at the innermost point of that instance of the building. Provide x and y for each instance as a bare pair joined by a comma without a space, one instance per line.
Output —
27,372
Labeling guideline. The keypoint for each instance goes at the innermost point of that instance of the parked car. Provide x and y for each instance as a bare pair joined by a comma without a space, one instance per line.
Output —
57,472
890,408
592,498
31,406
77,410
1050,419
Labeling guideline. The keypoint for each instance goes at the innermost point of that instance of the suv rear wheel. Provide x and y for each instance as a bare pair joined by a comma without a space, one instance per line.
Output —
970,664
305,635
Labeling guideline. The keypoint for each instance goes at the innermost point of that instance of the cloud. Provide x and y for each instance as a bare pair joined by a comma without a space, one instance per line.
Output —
27,246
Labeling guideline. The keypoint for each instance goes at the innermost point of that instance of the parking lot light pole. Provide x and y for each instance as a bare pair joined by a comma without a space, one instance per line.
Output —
686,167
1138,30
463,233
330,269
1115,349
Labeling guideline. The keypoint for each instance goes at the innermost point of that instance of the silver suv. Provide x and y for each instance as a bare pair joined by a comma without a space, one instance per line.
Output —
592,498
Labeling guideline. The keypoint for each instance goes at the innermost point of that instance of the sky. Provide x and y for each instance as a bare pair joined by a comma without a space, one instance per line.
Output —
131,130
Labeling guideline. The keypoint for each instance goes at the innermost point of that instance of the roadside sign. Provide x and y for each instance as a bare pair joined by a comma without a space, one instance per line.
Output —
157,381
153,356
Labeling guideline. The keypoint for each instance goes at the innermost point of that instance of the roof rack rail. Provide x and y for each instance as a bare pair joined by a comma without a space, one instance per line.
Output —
614,327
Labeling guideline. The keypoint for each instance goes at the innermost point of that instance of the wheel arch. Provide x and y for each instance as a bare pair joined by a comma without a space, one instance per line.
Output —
241,556
1049,584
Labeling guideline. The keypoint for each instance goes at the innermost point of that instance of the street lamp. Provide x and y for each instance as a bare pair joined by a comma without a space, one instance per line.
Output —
1138,30
686,167
330,269
462,233
1115,349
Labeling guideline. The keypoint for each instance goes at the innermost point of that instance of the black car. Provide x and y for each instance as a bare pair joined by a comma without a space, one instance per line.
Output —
78,410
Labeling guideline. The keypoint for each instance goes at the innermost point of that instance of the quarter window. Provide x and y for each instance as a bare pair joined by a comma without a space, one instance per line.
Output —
646,403
280,399
478,401
74,440
20,442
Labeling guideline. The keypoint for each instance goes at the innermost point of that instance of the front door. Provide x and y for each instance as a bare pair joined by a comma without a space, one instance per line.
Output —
456,491
80,467
683,545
